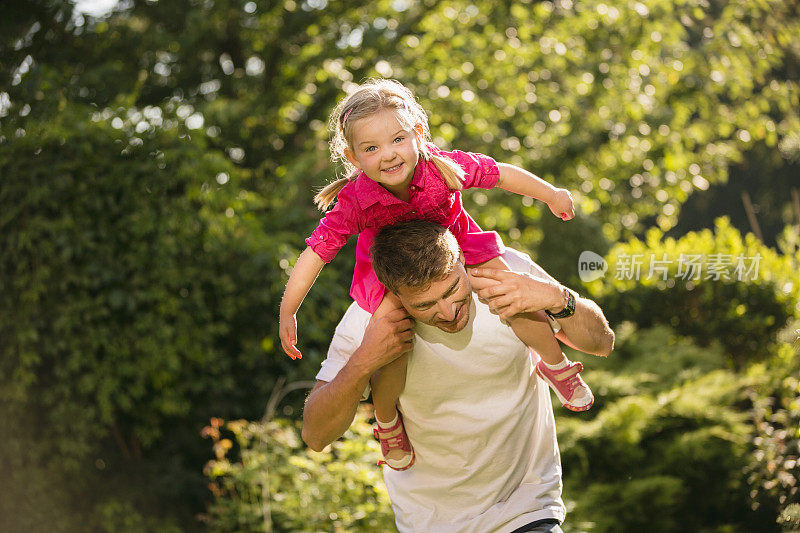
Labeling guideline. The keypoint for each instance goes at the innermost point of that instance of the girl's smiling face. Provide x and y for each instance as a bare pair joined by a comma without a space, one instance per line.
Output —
386,151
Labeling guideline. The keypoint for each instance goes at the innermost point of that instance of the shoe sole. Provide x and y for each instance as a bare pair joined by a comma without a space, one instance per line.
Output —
413,459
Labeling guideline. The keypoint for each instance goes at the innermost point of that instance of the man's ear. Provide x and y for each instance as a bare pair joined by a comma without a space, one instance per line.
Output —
348,153
397,295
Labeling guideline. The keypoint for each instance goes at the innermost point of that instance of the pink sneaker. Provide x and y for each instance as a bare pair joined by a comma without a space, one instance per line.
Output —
395,446
568,385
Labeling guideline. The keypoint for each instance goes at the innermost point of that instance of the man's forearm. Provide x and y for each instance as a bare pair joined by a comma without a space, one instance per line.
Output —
331,406
587,330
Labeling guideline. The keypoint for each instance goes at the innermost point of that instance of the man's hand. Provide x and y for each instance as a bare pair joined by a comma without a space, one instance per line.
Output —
510,293
331,406
385,339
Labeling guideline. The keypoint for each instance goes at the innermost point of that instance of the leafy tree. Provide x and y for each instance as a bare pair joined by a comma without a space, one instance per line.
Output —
117,286
157,167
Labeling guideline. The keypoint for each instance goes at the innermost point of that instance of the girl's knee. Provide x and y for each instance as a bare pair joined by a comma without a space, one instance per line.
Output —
389,303
478,283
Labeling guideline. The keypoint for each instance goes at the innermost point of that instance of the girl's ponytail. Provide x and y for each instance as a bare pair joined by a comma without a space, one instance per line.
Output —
451,172
325,197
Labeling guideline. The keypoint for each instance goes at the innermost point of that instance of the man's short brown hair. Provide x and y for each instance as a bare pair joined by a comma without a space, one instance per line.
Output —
413,254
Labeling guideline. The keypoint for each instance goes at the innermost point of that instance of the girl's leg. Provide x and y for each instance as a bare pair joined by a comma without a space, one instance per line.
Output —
534,330
387,384
531,328
389,381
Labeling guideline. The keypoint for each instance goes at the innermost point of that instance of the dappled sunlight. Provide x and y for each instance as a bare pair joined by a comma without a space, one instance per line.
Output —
158,162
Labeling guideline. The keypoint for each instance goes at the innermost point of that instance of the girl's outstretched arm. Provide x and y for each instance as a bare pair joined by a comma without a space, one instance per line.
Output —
305,272
520,181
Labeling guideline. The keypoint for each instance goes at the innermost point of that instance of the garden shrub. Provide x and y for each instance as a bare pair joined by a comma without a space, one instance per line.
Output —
740,293
264,479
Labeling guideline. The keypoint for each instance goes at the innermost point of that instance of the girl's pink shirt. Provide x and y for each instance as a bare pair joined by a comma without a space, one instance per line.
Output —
363,206
364,203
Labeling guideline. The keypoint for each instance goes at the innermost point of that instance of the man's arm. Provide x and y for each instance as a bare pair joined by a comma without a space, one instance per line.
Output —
509,293
587,330
331,406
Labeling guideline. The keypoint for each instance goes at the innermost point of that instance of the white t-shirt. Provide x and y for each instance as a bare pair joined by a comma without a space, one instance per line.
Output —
480,421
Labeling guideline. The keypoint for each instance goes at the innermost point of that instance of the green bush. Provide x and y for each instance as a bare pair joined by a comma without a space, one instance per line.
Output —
741,295
666,446
112,275
134,298
269,481
774,469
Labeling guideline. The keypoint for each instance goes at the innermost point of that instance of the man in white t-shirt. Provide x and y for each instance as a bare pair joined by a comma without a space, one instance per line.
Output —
480,421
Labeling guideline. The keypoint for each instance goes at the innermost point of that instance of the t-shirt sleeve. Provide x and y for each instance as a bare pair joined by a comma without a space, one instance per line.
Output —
522,262
480,170
346,339
335,228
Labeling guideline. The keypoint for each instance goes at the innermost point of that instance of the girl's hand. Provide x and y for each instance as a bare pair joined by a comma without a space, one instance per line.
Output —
288,332
562,204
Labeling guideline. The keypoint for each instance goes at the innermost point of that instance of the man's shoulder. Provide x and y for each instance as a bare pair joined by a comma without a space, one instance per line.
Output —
346,340
355,319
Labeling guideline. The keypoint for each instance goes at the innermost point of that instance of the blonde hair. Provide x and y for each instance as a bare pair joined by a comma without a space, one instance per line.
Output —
369,98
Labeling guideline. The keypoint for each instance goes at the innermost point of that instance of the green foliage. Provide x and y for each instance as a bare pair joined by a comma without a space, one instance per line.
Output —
133,292
739,292
268,481
775,462
157,170
636,506
112,317
668,444
790,518
766,175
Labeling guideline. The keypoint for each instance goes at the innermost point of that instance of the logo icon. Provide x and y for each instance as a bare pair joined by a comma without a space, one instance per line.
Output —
591,266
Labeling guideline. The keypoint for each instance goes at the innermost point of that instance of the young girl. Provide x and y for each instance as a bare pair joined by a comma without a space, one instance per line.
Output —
381,135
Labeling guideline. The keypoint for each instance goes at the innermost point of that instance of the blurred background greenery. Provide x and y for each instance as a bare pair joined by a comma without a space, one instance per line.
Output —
157,163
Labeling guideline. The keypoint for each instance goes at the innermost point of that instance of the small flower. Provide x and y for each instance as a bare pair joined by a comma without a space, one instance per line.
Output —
209,431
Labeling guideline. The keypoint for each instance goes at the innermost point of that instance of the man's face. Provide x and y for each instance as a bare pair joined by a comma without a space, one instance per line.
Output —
444,304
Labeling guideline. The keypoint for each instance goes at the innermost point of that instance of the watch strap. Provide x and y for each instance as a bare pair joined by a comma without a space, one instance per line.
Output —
569,309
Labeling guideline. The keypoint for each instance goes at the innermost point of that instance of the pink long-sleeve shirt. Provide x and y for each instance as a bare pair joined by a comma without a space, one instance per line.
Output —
363,206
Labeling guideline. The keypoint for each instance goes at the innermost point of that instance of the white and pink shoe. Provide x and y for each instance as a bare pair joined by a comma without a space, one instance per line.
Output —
568,385
395,446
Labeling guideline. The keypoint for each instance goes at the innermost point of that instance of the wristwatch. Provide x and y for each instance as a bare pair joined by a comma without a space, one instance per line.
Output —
569,308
